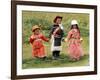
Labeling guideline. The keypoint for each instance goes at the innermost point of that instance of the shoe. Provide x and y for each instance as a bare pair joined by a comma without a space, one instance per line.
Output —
44,58
54,58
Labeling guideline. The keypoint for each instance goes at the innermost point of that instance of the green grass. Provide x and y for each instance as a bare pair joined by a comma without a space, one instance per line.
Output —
64,61
30,18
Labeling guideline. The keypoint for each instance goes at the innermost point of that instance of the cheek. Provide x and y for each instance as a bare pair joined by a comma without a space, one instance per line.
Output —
59,21
36,32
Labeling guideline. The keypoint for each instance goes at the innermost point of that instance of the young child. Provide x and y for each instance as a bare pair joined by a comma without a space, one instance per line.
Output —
74,39
36,39
56,35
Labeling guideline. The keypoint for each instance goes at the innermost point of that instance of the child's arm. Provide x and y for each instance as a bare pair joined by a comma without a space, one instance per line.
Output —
56,30
68,37
44,38
31,39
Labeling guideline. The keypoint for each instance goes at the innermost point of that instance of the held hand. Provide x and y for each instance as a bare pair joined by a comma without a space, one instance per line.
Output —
63,39
66,39
81,39
48,40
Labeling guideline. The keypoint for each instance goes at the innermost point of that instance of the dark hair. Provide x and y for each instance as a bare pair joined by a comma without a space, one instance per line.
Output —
76,27
57,18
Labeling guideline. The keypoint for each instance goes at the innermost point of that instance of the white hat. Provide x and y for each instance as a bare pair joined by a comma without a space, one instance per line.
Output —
73,22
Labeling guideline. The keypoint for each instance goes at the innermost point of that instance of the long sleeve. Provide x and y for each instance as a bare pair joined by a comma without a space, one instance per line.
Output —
44,38
51,32
61,32
56,30
31,39
69,35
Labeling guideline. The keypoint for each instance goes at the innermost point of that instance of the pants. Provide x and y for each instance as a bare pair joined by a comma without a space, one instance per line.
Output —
56,54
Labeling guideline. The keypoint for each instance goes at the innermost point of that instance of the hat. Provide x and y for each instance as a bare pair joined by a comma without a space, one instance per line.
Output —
35,27
57,18
73,22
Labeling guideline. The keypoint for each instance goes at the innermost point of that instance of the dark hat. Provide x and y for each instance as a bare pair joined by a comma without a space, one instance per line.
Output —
57,18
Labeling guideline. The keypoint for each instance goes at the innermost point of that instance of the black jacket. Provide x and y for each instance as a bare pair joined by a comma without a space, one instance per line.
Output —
59,33
58,36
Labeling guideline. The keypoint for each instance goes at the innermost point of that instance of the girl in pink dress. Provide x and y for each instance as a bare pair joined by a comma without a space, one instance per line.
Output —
74,39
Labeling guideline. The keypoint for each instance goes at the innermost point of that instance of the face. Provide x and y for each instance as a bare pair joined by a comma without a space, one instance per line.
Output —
58,21
37,31
74,26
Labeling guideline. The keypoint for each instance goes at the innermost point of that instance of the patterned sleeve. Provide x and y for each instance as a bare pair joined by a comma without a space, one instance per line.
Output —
44,38
69,35
31,39
51,32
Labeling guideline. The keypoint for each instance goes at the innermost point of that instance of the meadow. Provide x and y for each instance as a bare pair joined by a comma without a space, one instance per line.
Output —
30,18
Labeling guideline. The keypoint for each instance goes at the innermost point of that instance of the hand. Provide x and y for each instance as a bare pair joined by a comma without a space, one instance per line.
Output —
81,39
61,26
32,37
66,39
48,40
63,39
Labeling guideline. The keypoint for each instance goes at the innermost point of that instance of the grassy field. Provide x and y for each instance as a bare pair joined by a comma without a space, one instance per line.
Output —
45,19
64,61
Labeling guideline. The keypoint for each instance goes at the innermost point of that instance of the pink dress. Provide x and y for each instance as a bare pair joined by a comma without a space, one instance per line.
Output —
38,49
74,49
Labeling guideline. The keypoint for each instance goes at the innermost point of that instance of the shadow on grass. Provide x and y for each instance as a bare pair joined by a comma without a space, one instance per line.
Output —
63,61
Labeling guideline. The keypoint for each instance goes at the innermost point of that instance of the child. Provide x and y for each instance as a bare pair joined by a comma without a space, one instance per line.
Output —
56,35
36,39
74,39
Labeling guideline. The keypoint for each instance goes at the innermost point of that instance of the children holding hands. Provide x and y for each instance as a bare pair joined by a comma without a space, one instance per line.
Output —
73,40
